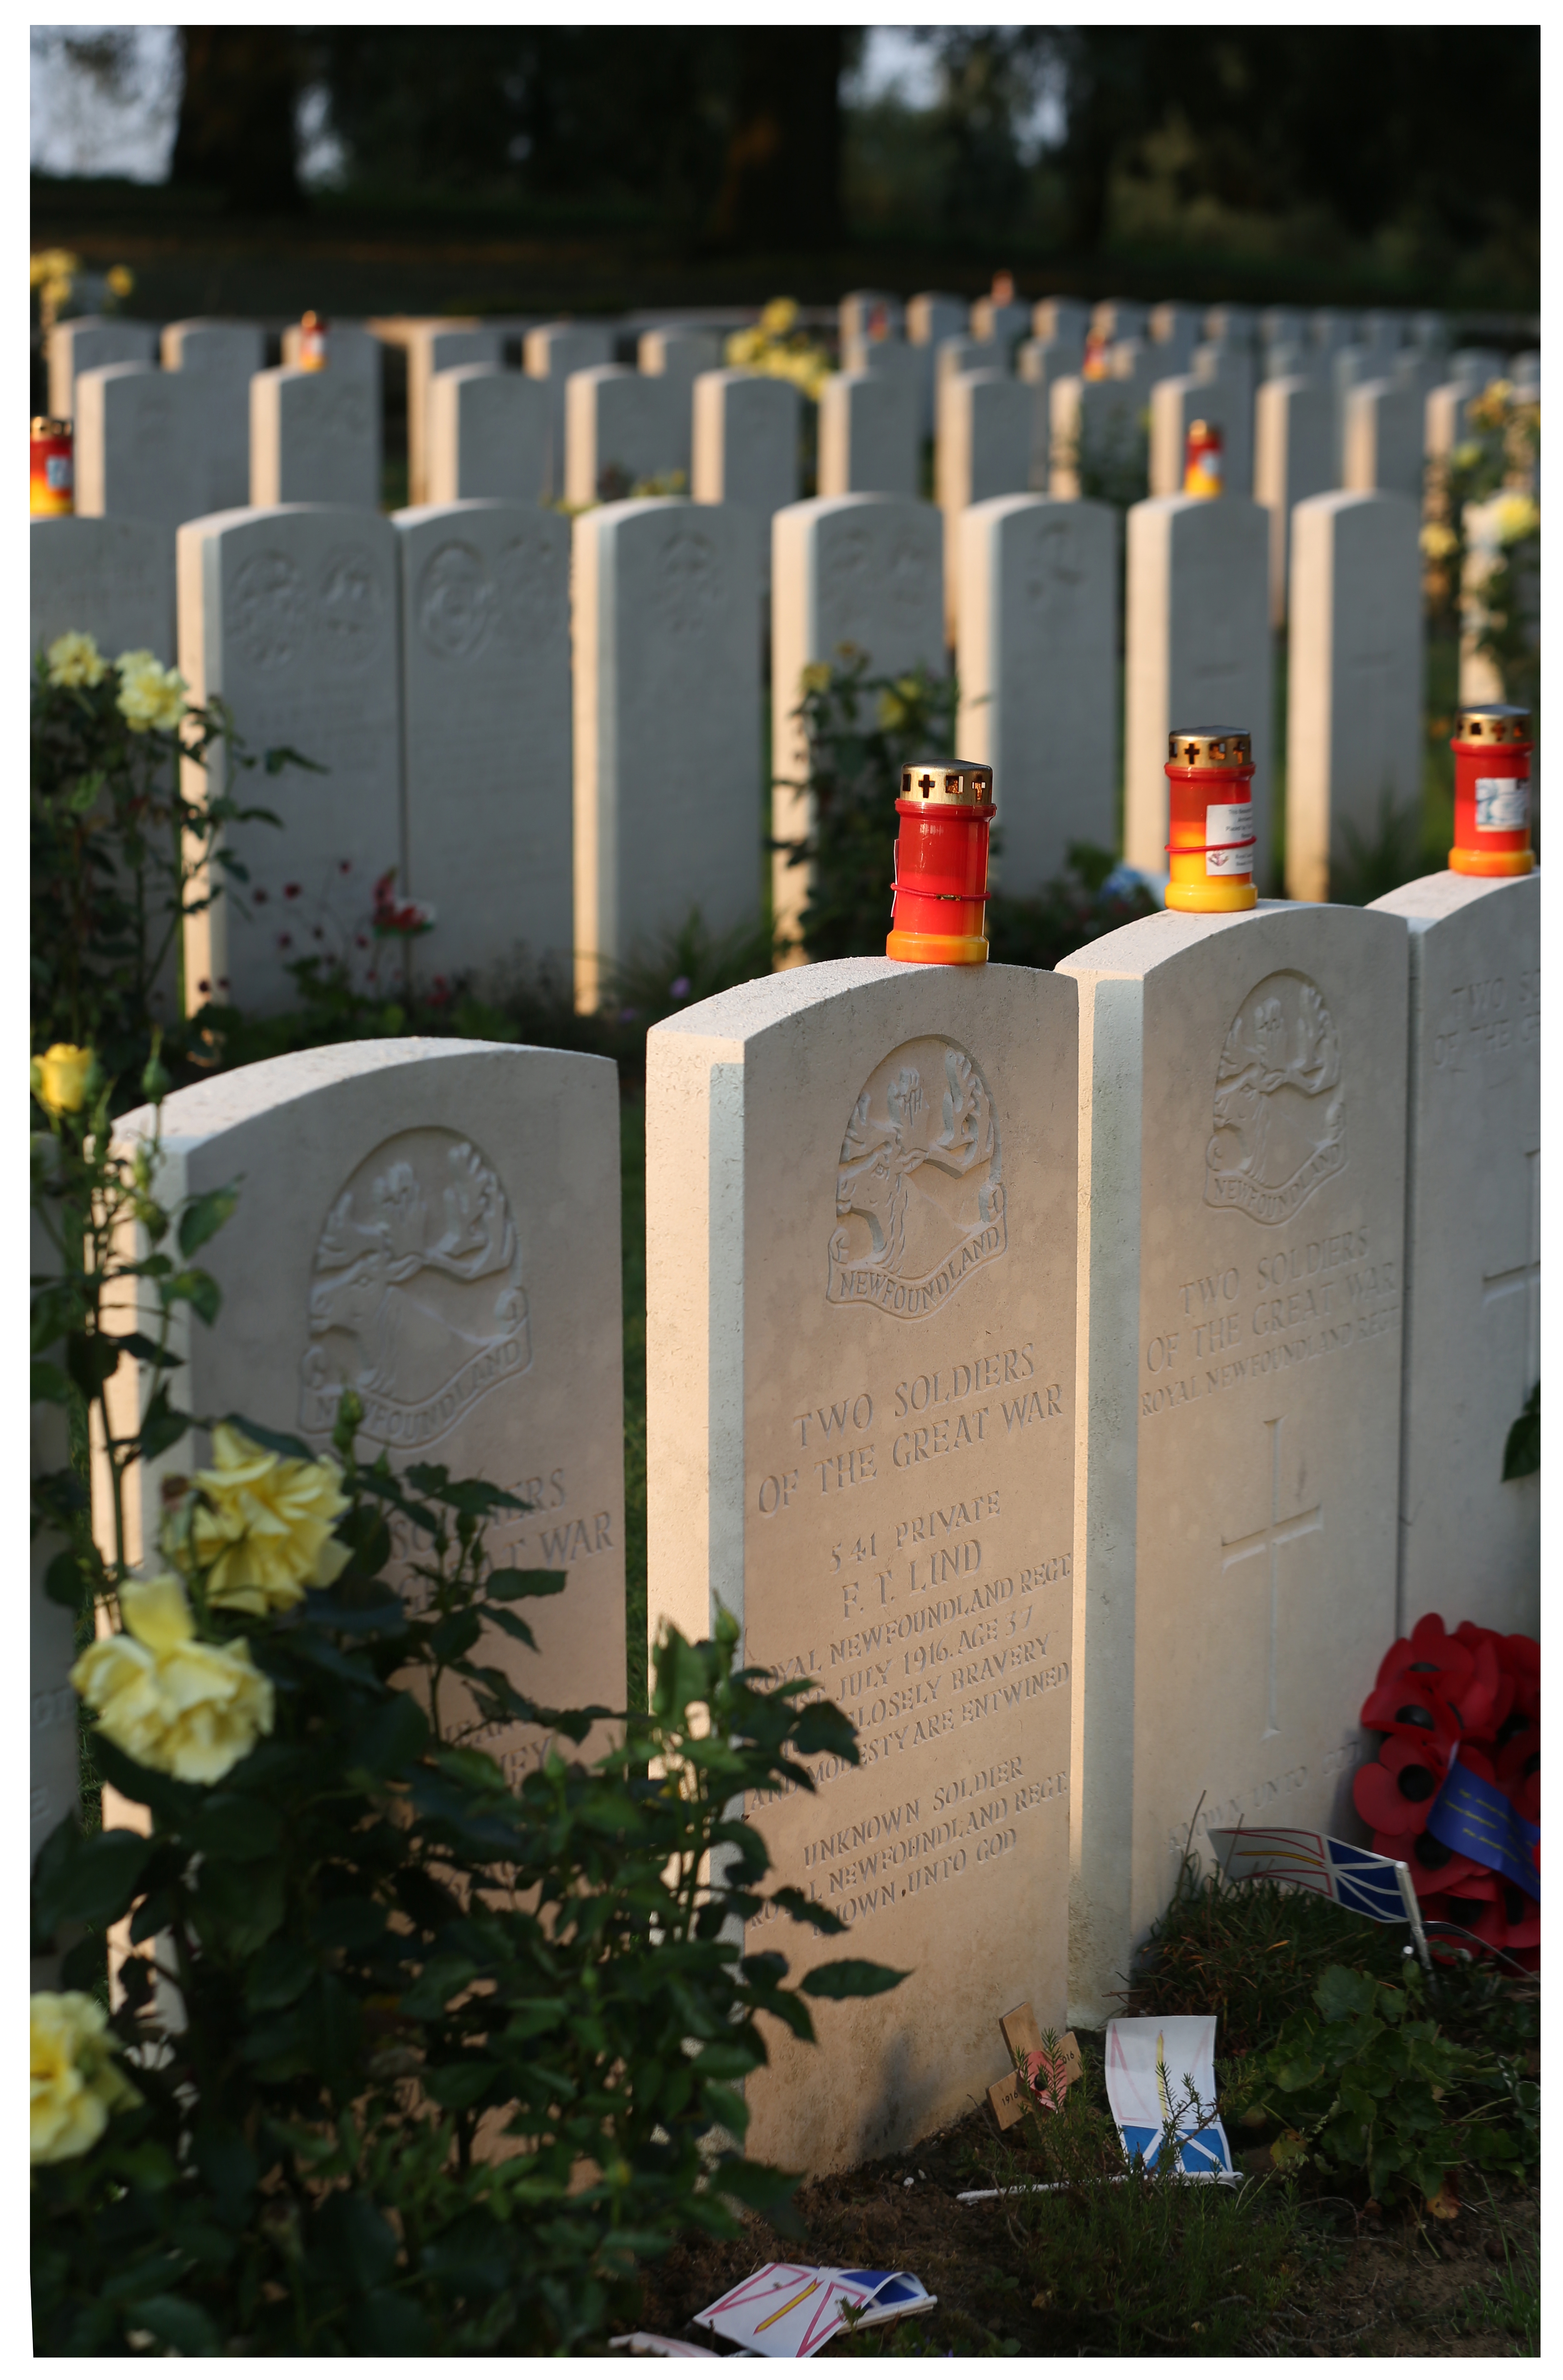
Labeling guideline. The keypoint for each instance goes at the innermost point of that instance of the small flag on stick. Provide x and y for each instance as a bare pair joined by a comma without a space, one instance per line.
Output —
1365,1882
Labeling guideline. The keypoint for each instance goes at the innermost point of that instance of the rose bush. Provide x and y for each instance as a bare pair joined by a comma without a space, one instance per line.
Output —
77,2084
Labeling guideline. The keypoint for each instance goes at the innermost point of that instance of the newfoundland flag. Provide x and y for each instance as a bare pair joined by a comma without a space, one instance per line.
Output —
1480,1822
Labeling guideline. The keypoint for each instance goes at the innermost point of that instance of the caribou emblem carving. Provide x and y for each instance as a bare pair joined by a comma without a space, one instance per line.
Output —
1281,1116
920,1194
415,1298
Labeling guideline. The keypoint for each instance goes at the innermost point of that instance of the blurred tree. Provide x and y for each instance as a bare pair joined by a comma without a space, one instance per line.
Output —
1374,125
782,188
237,116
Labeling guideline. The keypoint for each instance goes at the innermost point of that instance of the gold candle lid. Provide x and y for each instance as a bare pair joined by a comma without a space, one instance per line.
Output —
45,426
1210,747
1492,722
947,782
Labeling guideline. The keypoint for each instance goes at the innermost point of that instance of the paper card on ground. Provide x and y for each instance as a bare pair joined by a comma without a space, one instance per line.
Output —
1148,2057
1022,2038
796,2309
651,2342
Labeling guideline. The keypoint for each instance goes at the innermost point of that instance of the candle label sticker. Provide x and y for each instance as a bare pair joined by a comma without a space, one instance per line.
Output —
1503,805
1228,835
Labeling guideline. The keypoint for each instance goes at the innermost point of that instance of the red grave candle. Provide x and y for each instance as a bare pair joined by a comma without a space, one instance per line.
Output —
1492,745
938,908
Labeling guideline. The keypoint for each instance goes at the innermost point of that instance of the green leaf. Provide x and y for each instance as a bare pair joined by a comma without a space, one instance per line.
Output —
162,1427
392,1740
205,1215
236,1826
1522,1452
91,1879
275,1441
178,2322
280,1973
510,1623
460,2086
851,1979
1343,1992
510,1585
50,1386
197,1290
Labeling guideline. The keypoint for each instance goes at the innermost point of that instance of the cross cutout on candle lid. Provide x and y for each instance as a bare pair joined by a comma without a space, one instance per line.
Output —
925,785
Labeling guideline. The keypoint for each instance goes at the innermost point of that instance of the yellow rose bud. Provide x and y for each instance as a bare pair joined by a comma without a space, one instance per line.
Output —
1438,541
62,1077
149,696
120,279
264,1525
74,659
1518,517
76,2085
187,1709
779,317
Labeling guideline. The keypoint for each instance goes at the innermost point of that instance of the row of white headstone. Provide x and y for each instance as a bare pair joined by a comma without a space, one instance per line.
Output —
572,770
1082,1375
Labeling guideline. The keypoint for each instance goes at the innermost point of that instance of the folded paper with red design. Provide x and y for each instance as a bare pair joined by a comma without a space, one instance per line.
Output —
797,2309
1049,2076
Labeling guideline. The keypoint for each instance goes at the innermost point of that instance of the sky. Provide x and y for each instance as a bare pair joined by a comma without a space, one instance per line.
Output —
81,126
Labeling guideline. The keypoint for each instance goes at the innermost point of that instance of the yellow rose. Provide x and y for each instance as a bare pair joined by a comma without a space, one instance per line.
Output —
1465,456
62,1076
120,279
1438,541
76,2085
266,1527
149,696
52,264
74,659
187,1709
1518,517
779,317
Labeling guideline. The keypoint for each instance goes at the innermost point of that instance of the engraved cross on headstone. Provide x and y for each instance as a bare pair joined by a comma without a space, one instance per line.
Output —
1277,1531
1524,1276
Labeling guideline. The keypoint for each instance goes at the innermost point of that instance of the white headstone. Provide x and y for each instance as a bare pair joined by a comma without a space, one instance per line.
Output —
488,435
314,438
1283,326
490,1341
910,368
1477,367
290,615
1347,369
1231,325
932,317
1060,318
141,444
1230,368
433,347
349,348
1469,1539
489,802
984,449
1036,664
1040,364
1176,403
1197,650
865,571
1381,336
953,357
1095,434
1004,321
619,428
552,352
1291,461
1354,726
1120,318
1330,330
665,600
870,314
111,579
1383,447
679,356
224,356
86,342
746,430
1176,330
860,1276
869,442
1242,1182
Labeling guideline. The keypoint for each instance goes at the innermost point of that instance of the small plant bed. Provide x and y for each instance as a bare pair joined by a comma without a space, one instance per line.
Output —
1386,2132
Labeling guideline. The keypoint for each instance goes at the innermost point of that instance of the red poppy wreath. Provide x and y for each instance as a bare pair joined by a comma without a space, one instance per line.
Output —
1456,1789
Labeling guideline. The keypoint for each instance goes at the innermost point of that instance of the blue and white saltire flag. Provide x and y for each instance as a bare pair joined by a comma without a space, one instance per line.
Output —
1148,2059
1369,1883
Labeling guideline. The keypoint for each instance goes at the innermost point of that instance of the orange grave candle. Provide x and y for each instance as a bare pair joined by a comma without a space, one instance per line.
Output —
939,909
1210,773
52,467
1203,474
1492,747
313,354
